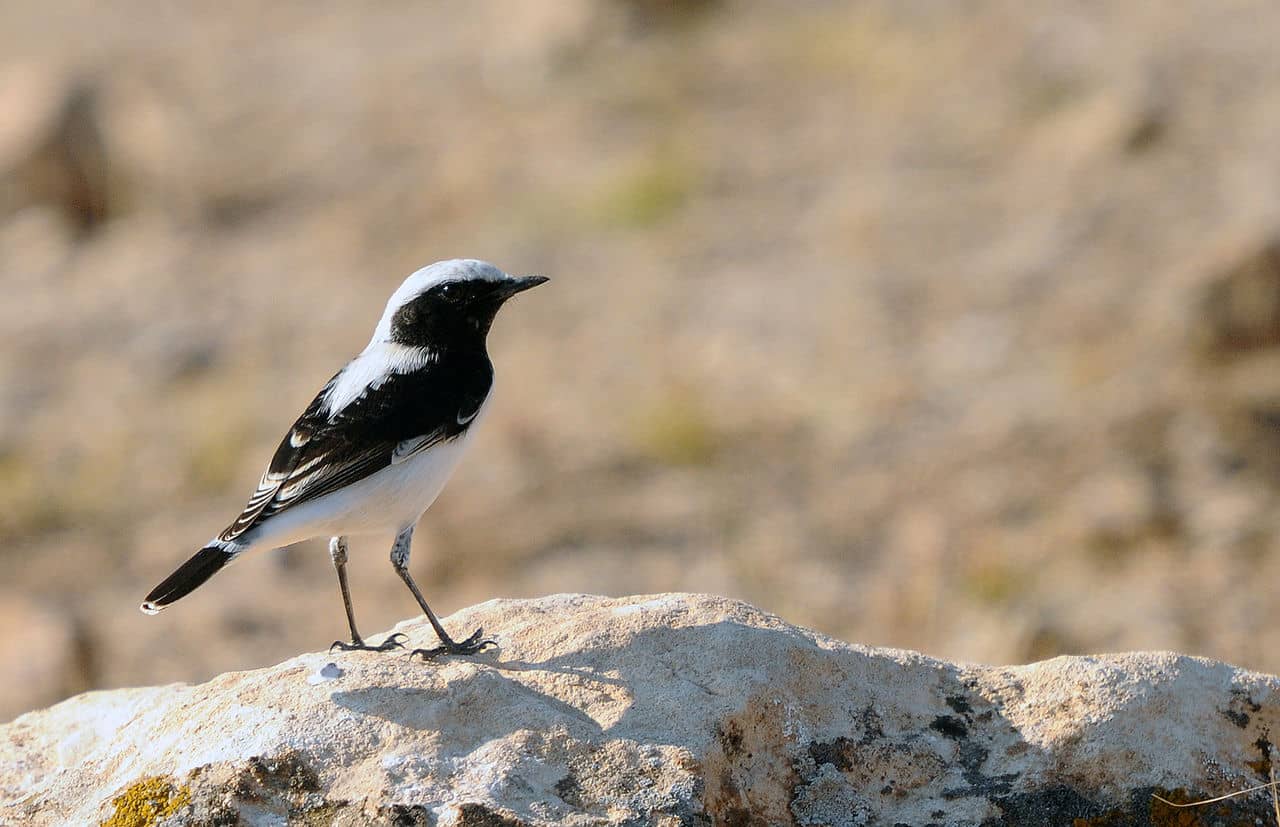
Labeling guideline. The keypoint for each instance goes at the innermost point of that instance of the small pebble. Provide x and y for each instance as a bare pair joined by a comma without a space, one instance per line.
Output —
328,672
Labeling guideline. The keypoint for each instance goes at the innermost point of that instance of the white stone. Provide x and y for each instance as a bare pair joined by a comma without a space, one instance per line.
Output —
665,710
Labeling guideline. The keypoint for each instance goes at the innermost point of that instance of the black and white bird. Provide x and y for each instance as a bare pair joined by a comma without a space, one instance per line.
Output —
377,444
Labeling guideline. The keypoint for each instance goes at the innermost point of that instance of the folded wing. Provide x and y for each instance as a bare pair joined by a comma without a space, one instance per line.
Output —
400,417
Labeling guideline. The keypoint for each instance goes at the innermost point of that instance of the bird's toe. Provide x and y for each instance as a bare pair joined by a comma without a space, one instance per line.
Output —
474,644
393,641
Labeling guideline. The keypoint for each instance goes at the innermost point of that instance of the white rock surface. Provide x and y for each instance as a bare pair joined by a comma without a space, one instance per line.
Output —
666,710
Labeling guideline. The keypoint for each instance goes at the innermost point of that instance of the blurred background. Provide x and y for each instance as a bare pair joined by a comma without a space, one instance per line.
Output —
945,326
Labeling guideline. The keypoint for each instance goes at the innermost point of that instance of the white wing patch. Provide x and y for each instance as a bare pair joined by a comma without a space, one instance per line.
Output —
379,362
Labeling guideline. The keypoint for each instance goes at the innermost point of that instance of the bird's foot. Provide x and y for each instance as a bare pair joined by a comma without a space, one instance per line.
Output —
472,645
393,641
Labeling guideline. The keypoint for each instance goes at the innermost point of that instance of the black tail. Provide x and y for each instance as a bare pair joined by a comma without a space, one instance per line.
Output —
204,564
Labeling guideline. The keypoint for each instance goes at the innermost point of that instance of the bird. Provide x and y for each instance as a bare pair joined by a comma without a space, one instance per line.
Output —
379,441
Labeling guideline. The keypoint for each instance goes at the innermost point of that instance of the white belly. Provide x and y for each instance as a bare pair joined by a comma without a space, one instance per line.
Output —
387,501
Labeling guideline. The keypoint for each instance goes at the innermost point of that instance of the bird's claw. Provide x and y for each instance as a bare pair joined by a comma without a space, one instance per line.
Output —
393,641
473,645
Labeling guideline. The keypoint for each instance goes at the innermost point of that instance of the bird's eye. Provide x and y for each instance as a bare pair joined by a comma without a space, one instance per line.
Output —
447,291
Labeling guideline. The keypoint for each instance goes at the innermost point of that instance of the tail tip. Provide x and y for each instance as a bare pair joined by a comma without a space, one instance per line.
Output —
200,567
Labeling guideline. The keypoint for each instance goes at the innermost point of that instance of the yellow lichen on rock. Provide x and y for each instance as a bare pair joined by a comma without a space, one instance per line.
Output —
147,802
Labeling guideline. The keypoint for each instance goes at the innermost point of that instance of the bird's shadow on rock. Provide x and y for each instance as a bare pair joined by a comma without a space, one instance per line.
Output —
659,675
460,709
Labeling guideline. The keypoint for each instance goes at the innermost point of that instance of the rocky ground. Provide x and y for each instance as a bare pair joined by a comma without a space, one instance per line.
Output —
956,329
664,710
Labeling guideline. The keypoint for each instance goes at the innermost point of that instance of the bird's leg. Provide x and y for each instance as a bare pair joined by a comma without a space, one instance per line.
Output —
338,552
448,646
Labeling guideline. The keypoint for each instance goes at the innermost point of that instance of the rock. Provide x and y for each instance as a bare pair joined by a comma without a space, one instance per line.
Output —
666,710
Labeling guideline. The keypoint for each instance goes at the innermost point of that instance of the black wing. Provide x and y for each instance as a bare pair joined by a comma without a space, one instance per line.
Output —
402,416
